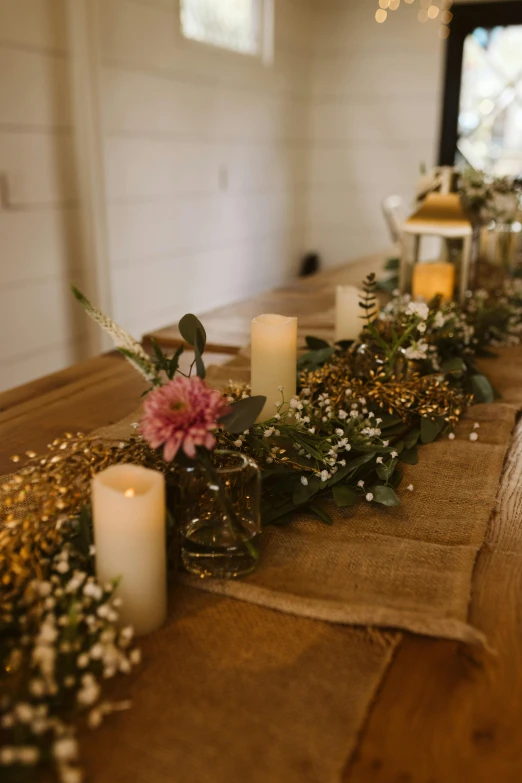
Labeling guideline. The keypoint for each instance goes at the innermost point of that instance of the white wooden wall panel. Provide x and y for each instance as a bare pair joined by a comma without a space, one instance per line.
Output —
37,168
39,23
194,221
383,125
206,161
32,88
37,244
217,277
41,329
39,316
130,25
374,119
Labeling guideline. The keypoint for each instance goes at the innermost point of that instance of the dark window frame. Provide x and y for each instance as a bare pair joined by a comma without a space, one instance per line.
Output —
466,18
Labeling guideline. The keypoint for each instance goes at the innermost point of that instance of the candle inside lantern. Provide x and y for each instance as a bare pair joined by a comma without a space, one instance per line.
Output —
274,360
430,279
348,321
128,504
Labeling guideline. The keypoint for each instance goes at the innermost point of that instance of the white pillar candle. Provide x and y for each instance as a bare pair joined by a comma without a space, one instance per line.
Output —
348,321
128,504
274,360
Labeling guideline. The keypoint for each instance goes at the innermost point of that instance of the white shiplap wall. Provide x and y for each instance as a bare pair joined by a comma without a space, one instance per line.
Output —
205,155
205,171
374,117
219,172
40,328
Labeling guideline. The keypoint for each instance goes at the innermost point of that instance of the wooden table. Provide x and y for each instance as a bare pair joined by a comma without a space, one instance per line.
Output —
445,713
311,299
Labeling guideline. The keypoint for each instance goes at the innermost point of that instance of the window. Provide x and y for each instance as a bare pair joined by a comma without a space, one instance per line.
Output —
490,111
238,25
482,124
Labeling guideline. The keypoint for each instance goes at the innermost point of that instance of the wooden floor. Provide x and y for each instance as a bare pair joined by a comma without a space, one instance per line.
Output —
445,713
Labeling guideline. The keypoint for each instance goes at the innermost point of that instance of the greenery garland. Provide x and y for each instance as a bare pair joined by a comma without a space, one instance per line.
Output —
361,411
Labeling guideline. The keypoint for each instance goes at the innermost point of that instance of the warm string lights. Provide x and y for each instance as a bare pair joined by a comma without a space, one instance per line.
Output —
429,11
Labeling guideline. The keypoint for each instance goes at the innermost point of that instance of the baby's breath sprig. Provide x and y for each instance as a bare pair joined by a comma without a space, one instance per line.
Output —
62,643
315,446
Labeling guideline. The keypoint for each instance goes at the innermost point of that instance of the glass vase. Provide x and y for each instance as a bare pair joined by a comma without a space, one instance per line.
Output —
500,255
218,515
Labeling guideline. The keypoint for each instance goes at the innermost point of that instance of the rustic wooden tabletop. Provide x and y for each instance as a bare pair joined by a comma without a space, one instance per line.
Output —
445,713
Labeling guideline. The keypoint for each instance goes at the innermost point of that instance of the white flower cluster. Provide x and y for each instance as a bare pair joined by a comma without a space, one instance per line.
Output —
339,429
76,645
419,309
417,350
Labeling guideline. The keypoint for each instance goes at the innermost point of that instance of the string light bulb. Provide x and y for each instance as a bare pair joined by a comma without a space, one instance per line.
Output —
429,11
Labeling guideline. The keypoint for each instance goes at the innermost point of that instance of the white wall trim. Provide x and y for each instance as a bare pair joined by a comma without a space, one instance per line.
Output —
82,30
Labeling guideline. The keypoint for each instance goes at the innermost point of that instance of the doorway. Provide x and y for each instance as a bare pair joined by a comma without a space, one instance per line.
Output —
482,115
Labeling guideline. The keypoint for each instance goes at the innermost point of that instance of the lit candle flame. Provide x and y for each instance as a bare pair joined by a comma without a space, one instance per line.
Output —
129,493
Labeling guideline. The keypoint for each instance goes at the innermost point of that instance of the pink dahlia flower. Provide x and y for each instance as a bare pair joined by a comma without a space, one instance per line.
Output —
182,414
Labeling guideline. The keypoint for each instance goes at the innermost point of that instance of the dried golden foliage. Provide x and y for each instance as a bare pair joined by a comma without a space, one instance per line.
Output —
38,500
406,397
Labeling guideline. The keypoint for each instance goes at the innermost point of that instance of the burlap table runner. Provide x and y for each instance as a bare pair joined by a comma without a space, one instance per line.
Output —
231,692
234,692
408,567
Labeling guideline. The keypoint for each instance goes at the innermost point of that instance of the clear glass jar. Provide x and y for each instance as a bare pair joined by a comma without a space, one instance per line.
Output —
218,515
500,254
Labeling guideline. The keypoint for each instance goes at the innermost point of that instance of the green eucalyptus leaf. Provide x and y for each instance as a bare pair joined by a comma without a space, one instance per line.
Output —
389,421
160,356
454,365
392,264
193,332
410,456
385,470
344,495
243,414
388,285
283,520
200,365
384,495
411,438
315,343
429,430
344,344
318,511
83,537
313,359
350,468
302,493
271,514
173,363
482,389
485,353
396,479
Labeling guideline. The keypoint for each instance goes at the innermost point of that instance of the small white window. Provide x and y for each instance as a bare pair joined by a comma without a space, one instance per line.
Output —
243,26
